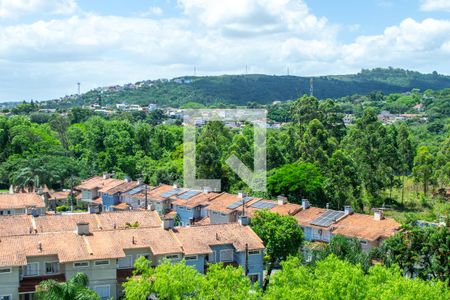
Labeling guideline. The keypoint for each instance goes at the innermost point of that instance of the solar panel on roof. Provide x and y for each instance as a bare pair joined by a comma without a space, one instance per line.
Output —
189,195
170,193
263,205
239,202
327,218
135,190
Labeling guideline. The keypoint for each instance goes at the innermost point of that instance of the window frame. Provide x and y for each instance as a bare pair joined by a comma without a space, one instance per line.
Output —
34,263
223,251
101,286
191,257
176,256
256,252
102,260
125,267
7,295
81,266
51,262
8,272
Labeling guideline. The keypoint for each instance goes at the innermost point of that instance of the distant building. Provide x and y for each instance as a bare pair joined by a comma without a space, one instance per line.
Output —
21,203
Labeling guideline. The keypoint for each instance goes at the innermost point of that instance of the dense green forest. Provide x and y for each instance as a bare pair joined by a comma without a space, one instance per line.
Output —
314,155
262,89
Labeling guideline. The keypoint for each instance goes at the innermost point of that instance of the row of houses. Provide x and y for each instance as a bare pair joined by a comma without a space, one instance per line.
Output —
193,207
105,246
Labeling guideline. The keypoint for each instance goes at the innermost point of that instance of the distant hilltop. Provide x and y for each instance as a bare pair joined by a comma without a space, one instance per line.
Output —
263,89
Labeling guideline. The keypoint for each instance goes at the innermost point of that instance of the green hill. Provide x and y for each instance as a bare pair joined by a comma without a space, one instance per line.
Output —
241,89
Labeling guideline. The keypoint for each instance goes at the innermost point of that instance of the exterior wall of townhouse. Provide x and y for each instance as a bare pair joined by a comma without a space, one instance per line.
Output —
216,217
40,262
134,254
109,200
307,232
89,194
9,282
185,214
255,263
132,201
196,261
101,274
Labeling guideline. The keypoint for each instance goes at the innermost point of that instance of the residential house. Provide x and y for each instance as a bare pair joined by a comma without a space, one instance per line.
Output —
90,191
105,247
112,191
21,203
161,199
191,206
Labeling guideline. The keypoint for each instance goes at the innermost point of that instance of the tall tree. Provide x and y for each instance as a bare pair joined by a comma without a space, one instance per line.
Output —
281,236
423,167
405,152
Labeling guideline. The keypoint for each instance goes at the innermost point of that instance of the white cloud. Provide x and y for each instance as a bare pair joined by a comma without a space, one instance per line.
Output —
18,8
153,11
435,5
49,57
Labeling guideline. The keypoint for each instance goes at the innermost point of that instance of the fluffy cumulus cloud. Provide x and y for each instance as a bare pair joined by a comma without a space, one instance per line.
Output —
435,5
18,8
46,58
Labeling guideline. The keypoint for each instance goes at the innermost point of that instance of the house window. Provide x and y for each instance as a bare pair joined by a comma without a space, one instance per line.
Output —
103,291
226,255
188,209
101,262
193,257
125,262
5,297
81,264
52,267
147,257
254,252
31,269
363,242
180,207
253,277
223,215
172,256
5,270
212,257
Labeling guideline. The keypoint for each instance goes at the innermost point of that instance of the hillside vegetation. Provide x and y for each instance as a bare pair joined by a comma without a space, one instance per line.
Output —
262,89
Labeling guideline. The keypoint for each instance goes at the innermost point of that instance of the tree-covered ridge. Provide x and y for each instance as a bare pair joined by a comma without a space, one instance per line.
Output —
263,89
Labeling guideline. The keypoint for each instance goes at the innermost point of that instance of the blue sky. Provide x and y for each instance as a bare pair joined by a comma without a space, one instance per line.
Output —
47,46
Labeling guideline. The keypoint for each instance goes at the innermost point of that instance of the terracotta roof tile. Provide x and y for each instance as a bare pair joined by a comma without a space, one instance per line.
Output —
198,239
20,200
199,199
366,227
123,187
305,216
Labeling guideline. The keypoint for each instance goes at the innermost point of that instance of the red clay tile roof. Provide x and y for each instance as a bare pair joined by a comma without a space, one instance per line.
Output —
198,239
366,227
21,224
121,206
21,200
199,199
155,193
121,188
305,216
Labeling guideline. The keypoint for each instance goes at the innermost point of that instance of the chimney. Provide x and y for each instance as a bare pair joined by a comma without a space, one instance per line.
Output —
305,203
140,182
175,185
282,200
127,179
83,228
328,205
243,220
348,209
241,194
167,223
378,215
206,190
106,175
40,247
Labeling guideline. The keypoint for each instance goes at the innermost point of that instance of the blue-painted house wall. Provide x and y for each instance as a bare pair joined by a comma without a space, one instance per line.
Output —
198,264
185,214
308,233
255,263
109,200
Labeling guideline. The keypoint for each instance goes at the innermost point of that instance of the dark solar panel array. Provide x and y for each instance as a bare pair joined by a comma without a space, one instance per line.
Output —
239,202
170,193
327,218
189,195
263,205
135,190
